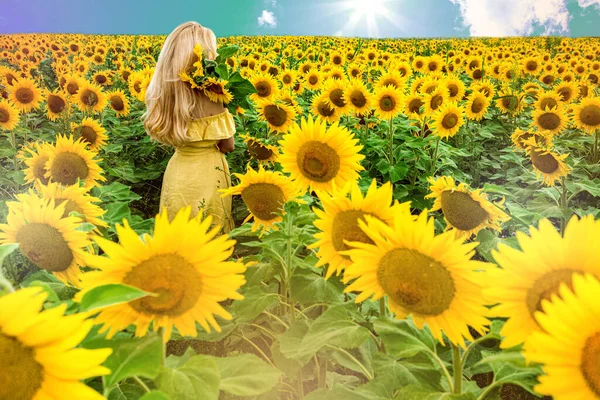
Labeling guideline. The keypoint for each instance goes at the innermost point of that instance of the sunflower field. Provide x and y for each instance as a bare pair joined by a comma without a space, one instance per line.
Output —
415,219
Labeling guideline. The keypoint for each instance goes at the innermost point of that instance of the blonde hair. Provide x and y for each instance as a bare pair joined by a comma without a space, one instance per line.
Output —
170,103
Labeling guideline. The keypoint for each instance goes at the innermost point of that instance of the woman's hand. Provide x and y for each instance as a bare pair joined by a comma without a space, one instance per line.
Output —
226,145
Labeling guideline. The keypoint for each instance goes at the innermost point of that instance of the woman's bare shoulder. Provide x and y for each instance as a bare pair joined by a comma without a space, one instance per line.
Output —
207,108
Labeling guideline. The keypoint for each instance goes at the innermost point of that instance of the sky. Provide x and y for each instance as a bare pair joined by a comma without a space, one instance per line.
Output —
362,18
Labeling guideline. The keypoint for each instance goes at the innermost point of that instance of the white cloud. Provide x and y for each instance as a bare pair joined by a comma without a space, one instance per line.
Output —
514,17
267,18
587,3
274,3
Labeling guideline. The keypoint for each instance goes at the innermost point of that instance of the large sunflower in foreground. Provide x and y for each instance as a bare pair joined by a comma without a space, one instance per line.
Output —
466,211
91,132
90,97
338,221
184,264
40,360
549,165
317,156
9,116
264,193
45,236
278,115
25,95
529,276
70,161
429,277
586,115
569,343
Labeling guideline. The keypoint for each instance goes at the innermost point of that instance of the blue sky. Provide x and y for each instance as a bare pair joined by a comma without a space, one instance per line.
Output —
372,18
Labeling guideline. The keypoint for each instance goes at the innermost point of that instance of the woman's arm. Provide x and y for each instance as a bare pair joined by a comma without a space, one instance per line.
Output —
226,145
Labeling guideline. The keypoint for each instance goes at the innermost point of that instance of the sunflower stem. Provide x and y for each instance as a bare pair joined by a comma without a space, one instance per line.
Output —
457,369
435,156
13,141
289,261
391,139
141,383
5,283
563,207
595,149
382,310
161,335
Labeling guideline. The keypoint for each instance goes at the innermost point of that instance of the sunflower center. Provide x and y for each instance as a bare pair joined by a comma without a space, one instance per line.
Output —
101,79
20,361
449,121
89,98
590,363
274,115
510,102
566,93
72,88
345,227
477,74
387,103
24,95
173,279
313,80
336,97
390,82
549,121
324,109
287,79
461,211
453,89
39,169
415,105
590,115
544,162
318,162
358,99
548,103
215,88
258,151
56,104
4,115
416,282
546,286
263,89
531,65
436,101
264,200
477,105
45,246
116,102
67,167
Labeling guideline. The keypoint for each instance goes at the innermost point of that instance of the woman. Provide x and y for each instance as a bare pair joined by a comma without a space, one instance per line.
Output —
200,130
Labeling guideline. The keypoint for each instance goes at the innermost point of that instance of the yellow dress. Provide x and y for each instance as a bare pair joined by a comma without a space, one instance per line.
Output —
198,170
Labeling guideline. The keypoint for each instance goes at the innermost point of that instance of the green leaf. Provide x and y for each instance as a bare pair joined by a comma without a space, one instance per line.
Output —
5,250
155,395
126,391
108,295
403,339
491,188
222,71
130,357
254,303
417,392
225,52
337,392
488,241
246,375
398,172
312,288
198,378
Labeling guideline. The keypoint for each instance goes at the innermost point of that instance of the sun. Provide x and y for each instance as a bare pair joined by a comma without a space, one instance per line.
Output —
365,16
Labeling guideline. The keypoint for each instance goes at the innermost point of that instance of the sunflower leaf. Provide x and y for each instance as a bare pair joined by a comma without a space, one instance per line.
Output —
198,378
5,250
108,295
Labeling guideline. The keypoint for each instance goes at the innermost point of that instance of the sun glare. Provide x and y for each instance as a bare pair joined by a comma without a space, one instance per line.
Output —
367,14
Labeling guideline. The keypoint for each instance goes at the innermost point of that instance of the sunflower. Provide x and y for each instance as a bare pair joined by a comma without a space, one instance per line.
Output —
318,157
412,104
260,151
338,221
56,105
71,84
569,342
358,97
118,102
278,115
465,210
387,102
314,79
547,100
264,193
476,107
552,120
266,87
39,359
9,75
531,88
391,78
77,199
25,95
90,97
215,90
9,116
546,163
333,89
448,120
587,114
456,88
102,78
509,103
49,240
431,277
183,264
567,91
70,161
434,100
521,138
486,87
288,78
321,108
531,65
535,273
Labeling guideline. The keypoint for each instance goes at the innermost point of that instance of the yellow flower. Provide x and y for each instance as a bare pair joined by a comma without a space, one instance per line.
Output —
448,120
358,97
429,277
549,165
215,90
278,115
387,102
552,120
266,87
587,114
90,97
322,108
39,355
118,102
91,132
56,105
9,116
477,105
25,95
184,264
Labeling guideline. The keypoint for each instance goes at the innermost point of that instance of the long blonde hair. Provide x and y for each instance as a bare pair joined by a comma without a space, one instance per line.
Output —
170,103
